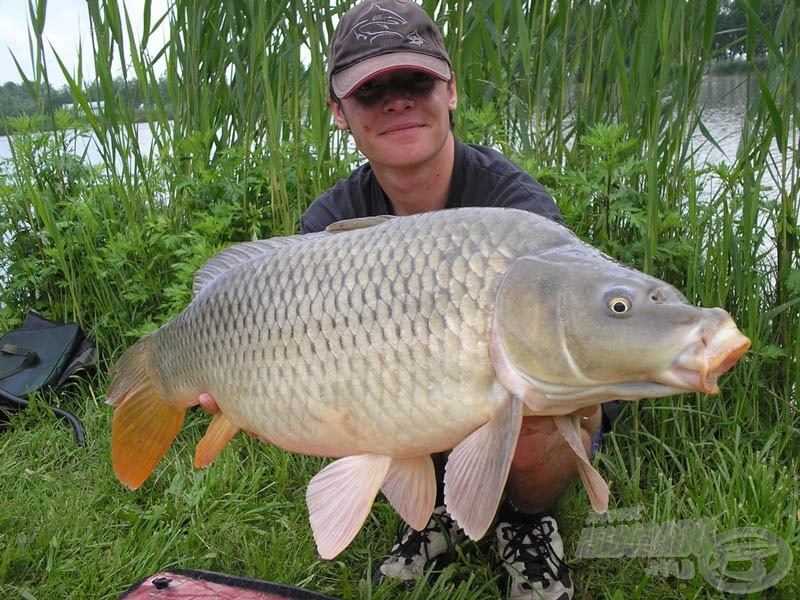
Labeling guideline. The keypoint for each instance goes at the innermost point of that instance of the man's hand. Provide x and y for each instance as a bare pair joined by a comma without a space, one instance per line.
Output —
546,425
208,404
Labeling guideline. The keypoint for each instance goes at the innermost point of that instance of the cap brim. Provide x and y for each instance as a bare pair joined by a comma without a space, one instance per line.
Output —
346,81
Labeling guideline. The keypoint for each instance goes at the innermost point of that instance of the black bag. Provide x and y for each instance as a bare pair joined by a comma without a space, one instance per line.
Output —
42,353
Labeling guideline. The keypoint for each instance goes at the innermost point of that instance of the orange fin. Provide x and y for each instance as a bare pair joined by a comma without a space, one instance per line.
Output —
596,487
218,434
144,424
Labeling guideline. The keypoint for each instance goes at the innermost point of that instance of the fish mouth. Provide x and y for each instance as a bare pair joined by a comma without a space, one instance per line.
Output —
700,365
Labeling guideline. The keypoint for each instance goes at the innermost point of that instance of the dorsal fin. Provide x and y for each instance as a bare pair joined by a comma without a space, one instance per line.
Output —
246,251
242,253
357,223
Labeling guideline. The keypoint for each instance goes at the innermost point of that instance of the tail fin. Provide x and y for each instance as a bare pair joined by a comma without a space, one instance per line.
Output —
144,424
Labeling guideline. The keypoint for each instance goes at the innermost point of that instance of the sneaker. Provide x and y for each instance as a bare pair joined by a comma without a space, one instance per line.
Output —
418,551
532,553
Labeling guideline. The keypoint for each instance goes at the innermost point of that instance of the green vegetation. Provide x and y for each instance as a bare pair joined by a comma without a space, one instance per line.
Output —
597,100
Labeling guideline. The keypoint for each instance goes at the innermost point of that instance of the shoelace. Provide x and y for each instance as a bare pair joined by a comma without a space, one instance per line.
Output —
543,559
414,540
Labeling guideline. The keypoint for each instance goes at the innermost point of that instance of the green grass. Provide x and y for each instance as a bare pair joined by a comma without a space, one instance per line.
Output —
597,100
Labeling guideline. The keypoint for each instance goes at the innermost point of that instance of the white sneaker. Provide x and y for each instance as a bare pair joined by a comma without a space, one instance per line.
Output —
417,551
532,553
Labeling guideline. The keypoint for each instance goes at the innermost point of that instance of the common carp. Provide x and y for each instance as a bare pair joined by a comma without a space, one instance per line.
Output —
386,340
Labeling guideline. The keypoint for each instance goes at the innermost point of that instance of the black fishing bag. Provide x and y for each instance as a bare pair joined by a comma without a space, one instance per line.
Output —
41,354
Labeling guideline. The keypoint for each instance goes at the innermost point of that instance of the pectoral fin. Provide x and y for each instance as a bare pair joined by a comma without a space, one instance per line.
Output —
220,431
410,486
339,499
478,466
569,427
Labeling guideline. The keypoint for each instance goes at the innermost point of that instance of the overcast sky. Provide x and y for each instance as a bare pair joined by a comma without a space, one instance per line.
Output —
66,26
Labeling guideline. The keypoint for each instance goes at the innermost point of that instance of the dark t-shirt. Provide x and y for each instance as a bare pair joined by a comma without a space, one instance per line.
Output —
481,177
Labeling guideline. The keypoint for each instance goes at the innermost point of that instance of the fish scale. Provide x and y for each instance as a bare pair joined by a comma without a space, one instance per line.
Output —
384,343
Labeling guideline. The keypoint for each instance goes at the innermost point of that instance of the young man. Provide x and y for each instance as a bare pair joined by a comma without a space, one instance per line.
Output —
392,87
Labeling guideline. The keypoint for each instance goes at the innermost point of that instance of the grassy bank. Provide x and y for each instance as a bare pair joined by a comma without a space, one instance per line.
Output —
597,101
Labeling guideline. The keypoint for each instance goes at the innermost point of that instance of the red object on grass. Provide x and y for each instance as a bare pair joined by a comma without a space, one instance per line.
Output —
186,584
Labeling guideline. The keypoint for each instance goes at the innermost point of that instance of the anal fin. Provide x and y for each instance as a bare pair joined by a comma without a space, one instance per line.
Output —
220,431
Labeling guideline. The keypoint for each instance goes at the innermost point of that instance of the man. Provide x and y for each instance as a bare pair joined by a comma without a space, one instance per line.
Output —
392,87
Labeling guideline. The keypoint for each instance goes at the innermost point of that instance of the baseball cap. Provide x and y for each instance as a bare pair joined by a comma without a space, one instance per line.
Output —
377,36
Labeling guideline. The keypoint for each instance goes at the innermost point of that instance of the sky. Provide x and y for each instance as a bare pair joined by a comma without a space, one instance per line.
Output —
66,26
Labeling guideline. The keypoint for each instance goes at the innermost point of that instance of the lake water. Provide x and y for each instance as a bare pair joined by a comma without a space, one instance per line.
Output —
724,99
87,143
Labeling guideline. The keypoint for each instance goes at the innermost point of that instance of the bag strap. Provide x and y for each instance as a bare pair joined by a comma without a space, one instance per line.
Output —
30,359
17,403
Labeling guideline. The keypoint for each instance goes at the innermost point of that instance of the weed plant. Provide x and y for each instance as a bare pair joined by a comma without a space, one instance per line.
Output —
597,100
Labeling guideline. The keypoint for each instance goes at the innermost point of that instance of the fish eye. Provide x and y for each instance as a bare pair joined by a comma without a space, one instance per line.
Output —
619,300
619,305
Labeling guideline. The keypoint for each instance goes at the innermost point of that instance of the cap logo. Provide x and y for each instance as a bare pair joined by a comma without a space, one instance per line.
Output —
415,39
379,22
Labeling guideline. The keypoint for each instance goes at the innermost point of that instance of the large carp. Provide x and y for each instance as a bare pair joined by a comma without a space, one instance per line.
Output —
384,343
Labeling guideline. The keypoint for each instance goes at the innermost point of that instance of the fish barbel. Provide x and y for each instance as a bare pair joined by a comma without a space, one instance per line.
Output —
382,341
